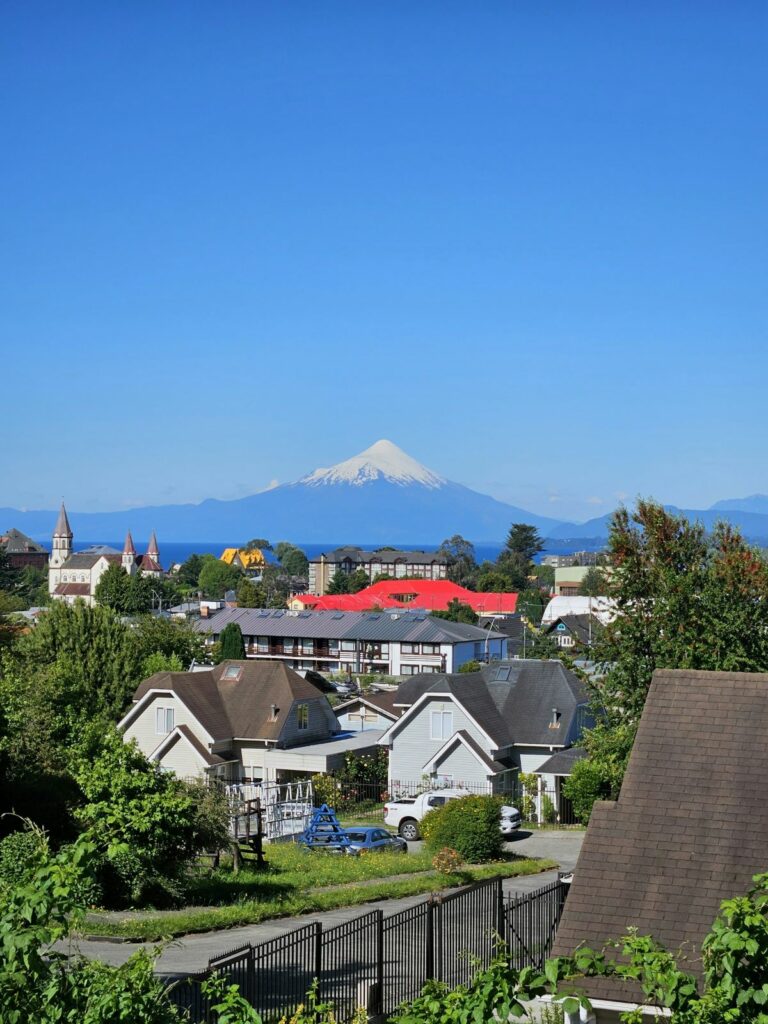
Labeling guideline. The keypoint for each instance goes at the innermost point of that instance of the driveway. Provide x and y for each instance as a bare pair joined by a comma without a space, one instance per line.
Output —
192,952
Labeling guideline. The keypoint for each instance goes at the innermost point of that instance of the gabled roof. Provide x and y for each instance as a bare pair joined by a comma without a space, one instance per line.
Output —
238,707
14,542
463,738
382,702
562,762
183,732
148,564
512,701
585,628
690,827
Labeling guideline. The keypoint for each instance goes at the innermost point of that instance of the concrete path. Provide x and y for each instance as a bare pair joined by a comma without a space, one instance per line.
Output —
192,952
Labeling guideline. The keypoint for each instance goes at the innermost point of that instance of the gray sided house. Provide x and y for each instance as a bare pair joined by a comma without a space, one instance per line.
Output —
479,730
240,722
368,711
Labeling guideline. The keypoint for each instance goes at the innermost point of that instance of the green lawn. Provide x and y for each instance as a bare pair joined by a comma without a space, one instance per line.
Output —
298,882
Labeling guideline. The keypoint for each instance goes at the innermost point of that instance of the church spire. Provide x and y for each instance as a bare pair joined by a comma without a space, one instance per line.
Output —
152,549
62,527
128,548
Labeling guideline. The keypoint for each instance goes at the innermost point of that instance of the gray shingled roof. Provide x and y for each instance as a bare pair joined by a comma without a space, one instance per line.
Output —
358,555
395,626
511,701
562,762
690,827
14,542
230,708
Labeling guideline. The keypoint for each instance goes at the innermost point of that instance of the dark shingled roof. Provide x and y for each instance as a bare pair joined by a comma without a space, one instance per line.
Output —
562,762
585,628
690,827
239,707
383,701
511,701
15,542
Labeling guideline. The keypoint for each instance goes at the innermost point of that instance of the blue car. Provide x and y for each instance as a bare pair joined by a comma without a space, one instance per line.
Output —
375,839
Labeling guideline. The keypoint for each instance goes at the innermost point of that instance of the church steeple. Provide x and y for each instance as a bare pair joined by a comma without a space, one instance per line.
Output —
128,559
152,549
61,547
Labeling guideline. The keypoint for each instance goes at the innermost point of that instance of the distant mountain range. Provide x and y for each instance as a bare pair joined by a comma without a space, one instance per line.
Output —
382,495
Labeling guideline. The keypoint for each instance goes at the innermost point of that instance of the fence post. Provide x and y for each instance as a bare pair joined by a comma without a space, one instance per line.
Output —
251,984
500,916
378,1003
318,951
430,939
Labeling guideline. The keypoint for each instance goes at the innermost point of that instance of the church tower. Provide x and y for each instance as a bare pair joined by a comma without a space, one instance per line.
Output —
61,548
128,560
153,552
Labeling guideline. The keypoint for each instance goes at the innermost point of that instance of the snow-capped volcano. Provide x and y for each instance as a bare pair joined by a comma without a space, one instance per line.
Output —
382,461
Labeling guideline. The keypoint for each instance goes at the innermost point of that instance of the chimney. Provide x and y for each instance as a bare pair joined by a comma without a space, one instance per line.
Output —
205,611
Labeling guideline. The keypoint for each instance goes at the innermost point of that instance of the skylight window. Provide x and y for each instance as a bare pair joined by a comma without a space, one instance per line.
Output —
232,672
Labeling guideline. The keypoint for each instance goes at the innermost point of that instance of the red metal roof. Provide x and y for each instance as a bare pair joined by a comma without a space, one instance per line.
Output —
431,595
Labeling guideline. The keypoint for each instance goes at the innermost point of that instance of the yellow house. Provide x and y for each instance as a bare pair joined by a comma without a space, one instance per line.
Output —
249,561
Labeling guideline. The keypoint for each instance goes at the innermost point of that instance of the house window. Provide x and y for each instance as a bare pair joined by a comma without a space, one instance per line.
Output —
440,725
302,716
349,645
565,641
430,648
163,721
333,646
262,644
307,645
409,670
288,645
409,648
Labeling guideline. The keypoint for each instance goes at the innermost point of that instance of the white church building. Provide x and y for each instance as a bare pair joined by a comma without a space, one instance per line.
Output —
73,575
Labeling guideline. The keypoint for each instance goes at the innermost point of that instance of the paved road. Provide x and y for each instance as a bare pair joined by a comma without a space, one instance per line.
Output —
192,953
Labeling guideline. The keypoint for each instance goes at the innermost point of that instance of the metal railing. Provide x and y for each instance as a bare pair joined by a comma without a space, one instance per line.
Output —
379,962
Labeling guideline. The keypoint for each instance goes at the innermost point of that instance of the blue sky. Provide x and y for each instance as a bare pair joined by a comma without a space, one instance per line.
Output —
525,241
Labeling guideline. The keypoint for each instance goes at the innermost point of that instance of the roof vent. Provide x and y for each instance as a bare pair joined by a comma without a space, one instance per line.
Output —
555,720
274,711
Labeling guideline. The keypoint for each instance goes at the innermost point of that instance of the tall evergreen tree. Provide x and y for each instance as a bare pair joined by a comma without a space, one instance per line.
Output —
231,643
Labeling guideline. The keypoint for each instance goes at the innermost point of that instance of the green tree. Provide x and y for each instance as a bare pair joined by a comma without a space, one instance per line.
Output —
231,643
32,586
357,581
292,559
216,578
150,823
594,583
531,604
258,544
338,583
461,565
144,592
112,589
683,600
516,559
458,611
158,662
491,580
172,638
470,666
545,576
189,573
250,594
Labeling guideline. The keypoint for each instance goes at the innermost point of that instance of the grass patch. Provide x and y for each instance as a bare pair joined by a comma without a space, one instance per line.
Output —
280,900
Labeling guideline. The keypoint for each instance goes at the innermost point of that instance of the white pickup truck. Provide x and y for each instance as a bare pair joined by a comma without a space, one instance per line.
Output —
405,815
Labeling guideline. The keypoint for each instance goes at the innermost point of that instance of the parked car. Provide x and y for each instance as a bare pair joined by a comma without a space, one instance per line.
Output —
405,815
375,839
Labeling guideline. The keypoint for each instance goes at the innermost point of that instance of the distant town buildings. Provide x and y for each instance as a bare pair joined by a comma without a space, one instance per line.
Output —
577,558
73,575
426,565
22,550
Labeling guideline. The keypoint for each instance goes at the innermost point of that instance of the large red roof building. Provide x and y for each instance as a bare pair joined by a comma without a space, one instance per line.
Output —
429,595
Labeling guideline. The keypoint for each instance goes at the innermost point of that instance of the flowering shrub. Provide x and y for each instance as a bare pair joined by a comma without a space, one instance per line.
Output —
448,860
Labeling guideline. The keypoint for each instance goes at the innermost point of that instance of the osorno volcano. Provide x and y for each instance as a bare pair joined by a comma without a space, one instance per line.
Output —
382,495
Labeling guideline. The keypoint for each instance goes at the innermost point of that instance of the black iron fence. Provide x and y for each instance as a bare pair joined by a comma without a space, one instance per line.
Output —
378,962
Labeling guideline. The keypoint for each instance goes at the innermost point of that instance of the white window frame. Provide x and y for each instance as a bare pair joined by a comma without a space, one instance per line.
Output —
437,725
302,717
164,721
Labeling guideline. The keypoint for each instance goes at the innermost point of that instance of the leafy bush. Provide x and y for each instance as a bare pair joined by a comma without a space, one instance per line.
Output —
529,783
19,853
548,810
151,824
469,825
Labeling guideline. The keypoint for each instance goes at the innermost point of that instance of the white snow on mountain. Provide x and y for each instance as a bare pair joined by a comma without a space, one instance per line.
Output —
382,461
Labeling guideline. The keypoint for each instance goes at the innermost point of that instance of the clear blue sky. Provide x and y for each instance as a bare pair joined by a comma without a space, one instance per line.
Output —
525,241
